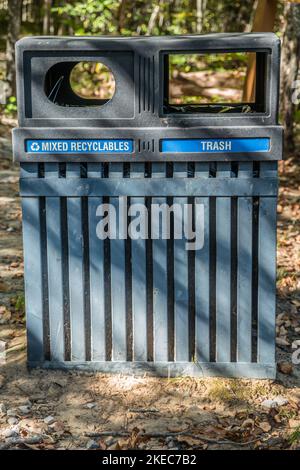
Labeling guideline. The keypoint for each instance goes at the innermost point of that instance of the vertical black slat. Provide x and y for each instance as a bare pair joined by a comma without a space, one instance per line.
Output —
86,276
144,79
153,85
233,287
86,279
191,275
65,279
150,91
128,278
170,274
46,323
255,234
149,274
107,297
233,269
212,268
140,84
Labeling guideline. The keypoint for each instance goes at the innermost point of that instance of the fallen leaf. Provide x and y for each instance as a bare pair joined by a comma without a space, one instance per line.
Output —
285,368
189,440
294,423
2,380
177,428
248,423
102,444
282,342
265,426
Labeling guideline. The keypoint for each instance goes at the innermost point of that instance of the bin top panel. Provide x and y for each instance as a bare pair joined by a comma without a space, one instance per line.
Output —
207,41
140,66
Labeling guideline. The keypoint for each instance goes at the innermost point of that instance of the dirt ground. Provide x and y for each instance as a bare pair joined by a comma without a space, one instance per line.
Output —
66,410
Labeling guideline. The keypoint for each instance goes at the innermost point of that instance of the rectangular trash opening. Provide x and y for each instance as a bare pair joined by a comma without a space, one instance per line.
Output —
147,303
193,82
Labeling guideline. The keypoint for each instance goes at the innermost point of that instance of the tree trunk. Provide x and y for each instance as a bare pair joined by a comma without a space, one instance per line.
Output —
200,9
290,68
13,32
122,15
264,20
47,17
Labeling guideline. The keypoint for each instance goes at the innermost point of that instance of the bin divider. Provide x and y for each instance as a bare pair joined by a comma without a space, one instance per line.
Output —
160,276
118,268
266,270
33,270
223,270
244,269
202,276
139,282
181,275
55,269
76,290
96,272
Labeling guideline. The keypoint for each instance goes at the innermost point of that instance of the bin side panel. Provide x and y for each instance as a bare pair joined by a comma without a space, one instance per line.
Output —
141,309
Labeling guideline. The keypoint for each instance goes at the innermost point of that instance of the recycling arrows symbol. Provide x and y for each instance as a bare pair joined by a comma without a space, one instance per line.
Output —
34,147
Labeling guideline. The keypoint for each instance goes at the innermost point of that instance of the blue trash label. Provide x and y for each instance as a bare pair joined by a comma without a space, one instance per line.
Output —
260,144
74,146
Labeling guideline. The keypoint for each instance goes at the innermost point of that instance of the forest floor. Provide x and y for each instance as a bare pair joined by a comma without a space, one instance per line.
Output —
64,410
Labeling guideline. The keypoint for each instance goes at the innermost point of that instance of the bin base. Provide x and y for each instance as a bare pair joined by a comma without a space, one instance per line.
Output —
168,369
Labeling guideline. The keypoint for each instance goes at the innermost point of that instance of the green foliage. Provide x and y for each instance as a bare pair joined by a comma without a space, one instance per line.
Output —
217,62
294,437
92,80
10,108
20,304
89,17
149,17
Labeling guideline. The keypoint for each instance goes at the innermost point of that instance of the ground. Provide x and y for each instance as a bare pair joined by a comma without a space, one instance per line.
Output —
65,410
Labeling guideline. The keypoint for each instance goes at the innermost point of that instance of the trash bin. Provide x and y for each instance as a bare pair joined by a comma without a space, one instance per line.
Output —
149,219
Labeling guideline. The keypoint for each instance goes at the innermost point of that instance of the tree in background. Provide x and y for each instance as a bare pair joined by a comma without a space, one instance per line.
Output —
290,68
13,33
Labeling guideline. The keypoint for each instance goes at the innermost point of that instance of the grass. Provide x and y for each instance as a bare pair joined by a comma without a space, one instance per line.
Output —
294,437
229,391
20,304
